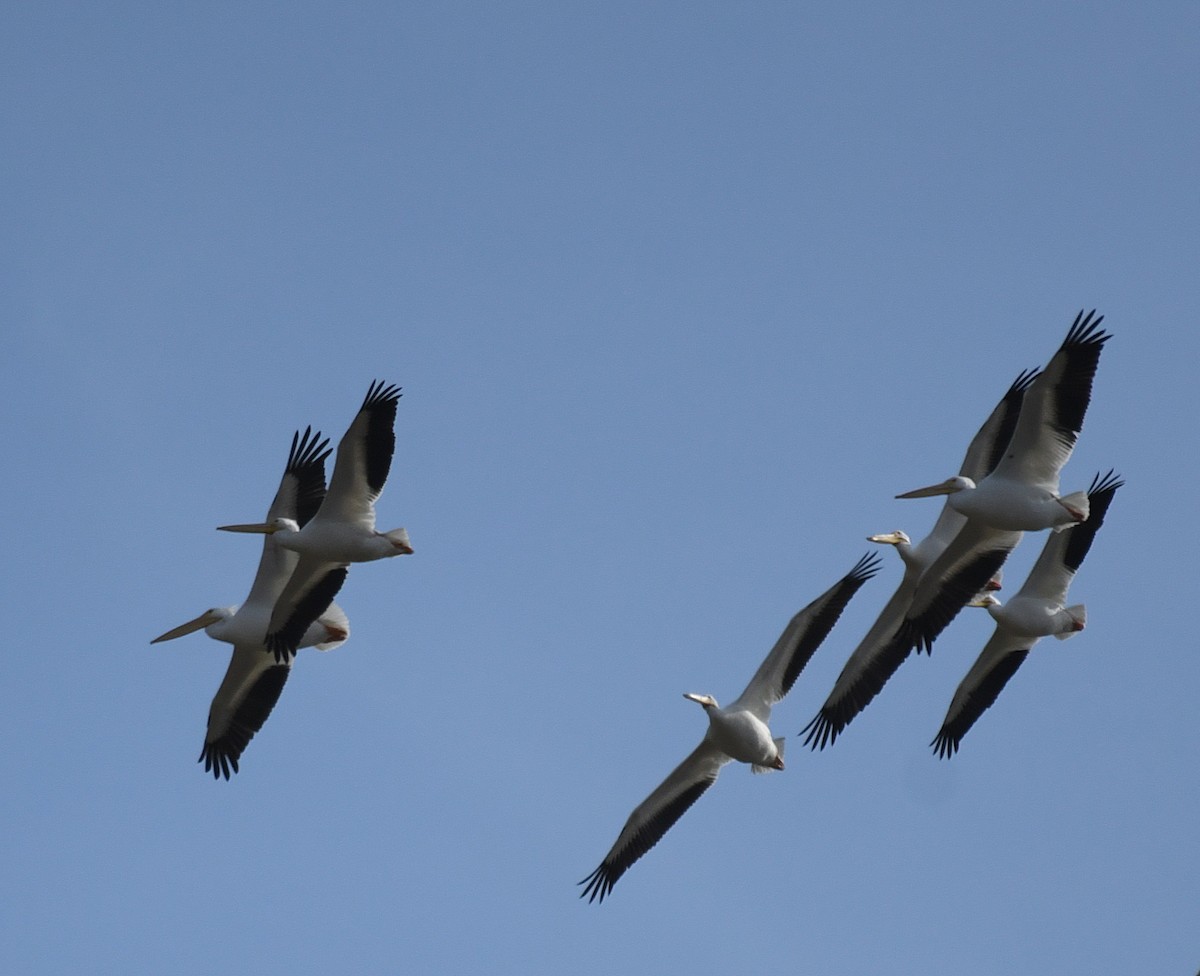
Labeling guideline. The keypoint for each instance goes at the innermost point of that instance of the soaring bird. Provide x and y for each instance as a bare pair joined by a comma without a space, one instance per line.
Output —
343,529
1038,610
738,731
254,681
882,651
1020,495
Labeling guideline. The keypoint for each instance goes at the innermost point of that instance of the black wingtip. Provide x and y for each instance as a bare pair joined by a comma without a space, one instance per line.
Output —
1086,331
865,568
944,745
1023,381
380,391
1109,482
217,761
820,732
599,883
307,448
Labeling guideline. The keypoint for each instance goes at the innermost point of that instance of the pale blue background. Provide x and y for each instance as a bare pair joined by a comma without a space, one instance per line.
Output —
680,296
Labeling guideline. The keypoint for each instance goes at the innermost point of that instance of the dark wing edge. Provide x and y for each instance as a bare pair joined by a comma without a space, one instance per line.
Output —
601,881
380,436
828,607
954,593
1081,535
837,713
284,641
220,755
991,441
306,464
975,702
1082,347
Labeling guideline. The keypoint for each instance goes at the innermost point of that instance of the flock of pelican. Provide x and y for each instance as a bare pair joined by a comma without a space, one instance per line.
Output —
1007,485
313,534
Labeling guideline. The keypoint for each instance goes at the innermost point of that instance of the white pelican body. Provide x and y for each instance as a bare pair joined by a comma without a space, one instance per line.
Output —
1008,503
1020,495
738,732
881,652
329,541
343,529
1030,616
1037,611
246,624
254,681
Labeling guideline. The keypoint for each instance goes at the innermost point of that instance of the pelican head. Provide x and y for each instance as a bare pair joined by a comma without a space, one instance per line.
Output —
264,528
897,538
706,700
207,619
947,487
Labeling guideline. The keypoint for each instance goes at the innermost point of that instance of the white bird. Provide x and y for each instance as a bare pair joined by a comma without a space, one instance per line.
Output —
1038,610
1020,495
343,529
738,731
254,681
881,651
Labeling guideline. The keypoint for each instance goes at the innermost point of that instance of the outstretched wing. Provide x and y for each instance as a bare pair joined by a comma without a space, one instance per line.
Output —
999,661
800,640
1064,551
955,577
250,689
654,816
364,458
1055,404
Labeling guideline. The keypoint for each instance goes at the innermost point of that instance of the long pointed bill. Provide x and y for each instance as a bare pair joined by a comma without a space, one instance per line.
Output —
886,538
941,488
262,528
206,618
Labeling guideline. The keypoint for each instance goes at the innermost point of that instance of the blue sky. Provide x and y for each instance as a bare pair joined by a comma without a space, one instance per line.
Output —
680,296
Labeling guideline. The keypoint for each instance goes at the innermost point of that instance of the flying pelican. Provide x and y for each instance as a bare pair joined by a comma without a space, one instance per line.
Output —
253,681
343,529
881,651
1036,611
738,731
1020,495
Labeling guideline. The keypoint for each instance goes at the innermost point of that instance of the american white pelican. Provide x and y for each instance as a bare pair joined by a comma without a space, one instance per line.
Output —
738,731
254,681
882,651
1038,610
1020,495
343,529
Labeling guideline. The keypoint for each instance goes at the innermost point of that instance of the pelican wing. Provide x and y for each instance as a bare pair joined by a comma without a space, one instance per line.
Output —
252,686
877,657
654,816
300,492
800,640
999,661
364,458
973,557
1064,551
881,652
302,487
988,445
1055,404
308,594
984,452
